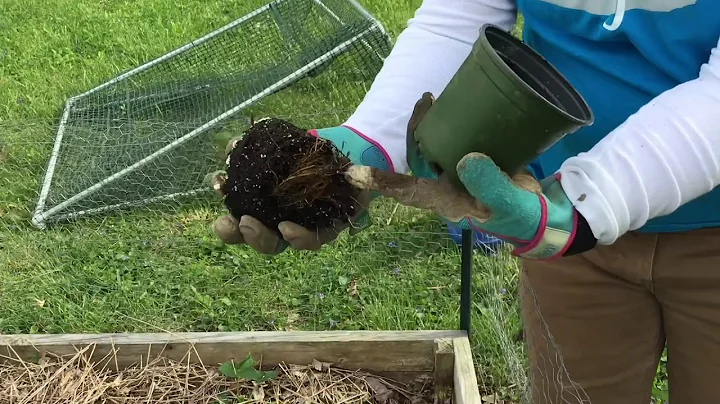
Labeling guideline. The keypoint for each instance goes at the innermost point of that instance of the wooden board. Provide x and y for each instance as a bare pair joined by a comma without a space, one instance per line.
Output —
369,350
444,371
465,387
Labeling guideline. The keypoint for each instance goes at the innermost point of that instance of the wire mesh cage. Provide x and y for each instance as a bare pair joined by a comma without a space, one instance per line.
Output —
152,133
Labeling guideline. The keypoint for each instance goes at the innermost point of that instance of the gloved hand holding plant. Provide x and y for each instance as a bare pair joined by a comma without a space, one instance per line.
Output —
285,188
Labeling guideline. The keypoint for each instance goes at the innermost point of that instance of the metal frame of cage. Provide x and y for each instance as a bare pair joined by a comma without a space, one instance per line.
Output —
41,215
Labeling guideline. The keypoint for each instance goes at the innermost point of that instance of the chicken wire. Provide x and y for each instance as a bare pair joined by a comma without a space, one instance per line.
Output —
129,159
151,134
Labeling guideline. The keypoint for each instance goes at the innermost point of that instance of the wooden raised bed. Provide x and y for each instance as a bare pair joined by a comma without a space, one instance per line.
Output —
443,356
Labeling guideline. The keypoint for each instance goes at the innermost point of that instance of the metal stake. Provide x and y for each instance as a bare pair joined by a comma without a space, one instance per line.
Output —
466,280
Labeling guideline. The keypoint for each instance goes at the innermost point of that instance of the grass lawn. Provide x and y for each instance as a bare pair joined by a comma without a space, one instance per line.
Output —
142,271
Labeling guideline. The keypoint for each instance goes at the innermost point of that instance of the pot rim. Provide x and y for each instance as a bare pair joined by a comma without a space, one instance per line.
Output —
587,117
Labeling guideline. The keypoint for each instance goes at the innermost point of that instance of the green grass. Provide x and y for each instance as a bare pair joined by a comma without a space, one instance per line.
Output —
140,272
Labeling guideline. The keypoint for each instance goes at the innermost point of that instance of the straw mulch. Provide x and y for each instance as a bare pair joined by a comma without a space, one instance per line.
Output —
74,380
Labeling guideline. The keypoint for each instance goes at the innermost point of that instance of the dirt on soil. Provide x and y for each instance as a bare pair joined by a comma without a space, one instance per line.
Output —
279,172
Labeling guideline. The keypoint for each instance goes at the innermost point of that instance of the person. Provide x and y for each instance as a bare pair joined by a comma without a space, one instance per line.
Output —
621,251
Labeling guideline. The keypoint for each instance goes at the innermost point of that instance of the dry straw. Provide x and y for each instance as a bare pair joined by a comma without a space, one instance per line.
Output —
73,379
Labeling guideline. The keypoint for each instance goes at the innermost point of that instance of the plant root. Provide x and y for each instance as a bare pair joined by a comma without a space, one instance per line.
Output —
438,196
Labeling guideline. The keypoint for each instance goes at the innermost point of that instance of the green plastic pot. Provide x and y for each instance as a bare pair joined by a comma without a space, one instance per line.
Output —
505,101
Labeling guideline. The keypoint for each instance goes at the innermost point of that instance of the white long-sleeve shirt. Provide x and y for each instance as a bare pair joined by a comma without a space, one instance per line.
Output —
663,156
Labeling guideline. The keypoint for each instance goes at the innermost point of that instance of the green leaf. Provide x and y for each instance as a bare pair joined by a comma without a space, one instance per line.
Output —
246,370
228,370
256,375
248,374
248,362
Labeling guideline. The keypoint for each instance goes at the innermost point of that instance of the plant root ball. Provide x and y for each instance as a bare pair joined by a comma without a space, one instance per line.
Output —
278,172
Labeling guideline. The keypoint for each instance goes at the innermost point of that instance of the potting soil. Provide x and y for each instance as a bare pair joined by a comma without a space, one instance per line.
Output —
278,172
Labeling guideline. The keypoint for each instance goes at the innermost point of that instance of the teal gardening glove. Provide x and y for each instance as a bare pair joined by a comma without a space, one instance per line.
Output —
537,218
250,231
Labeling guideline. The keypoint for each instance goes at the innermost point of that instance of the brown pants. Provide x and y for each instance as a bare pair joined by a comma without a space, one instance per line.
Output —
596,324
